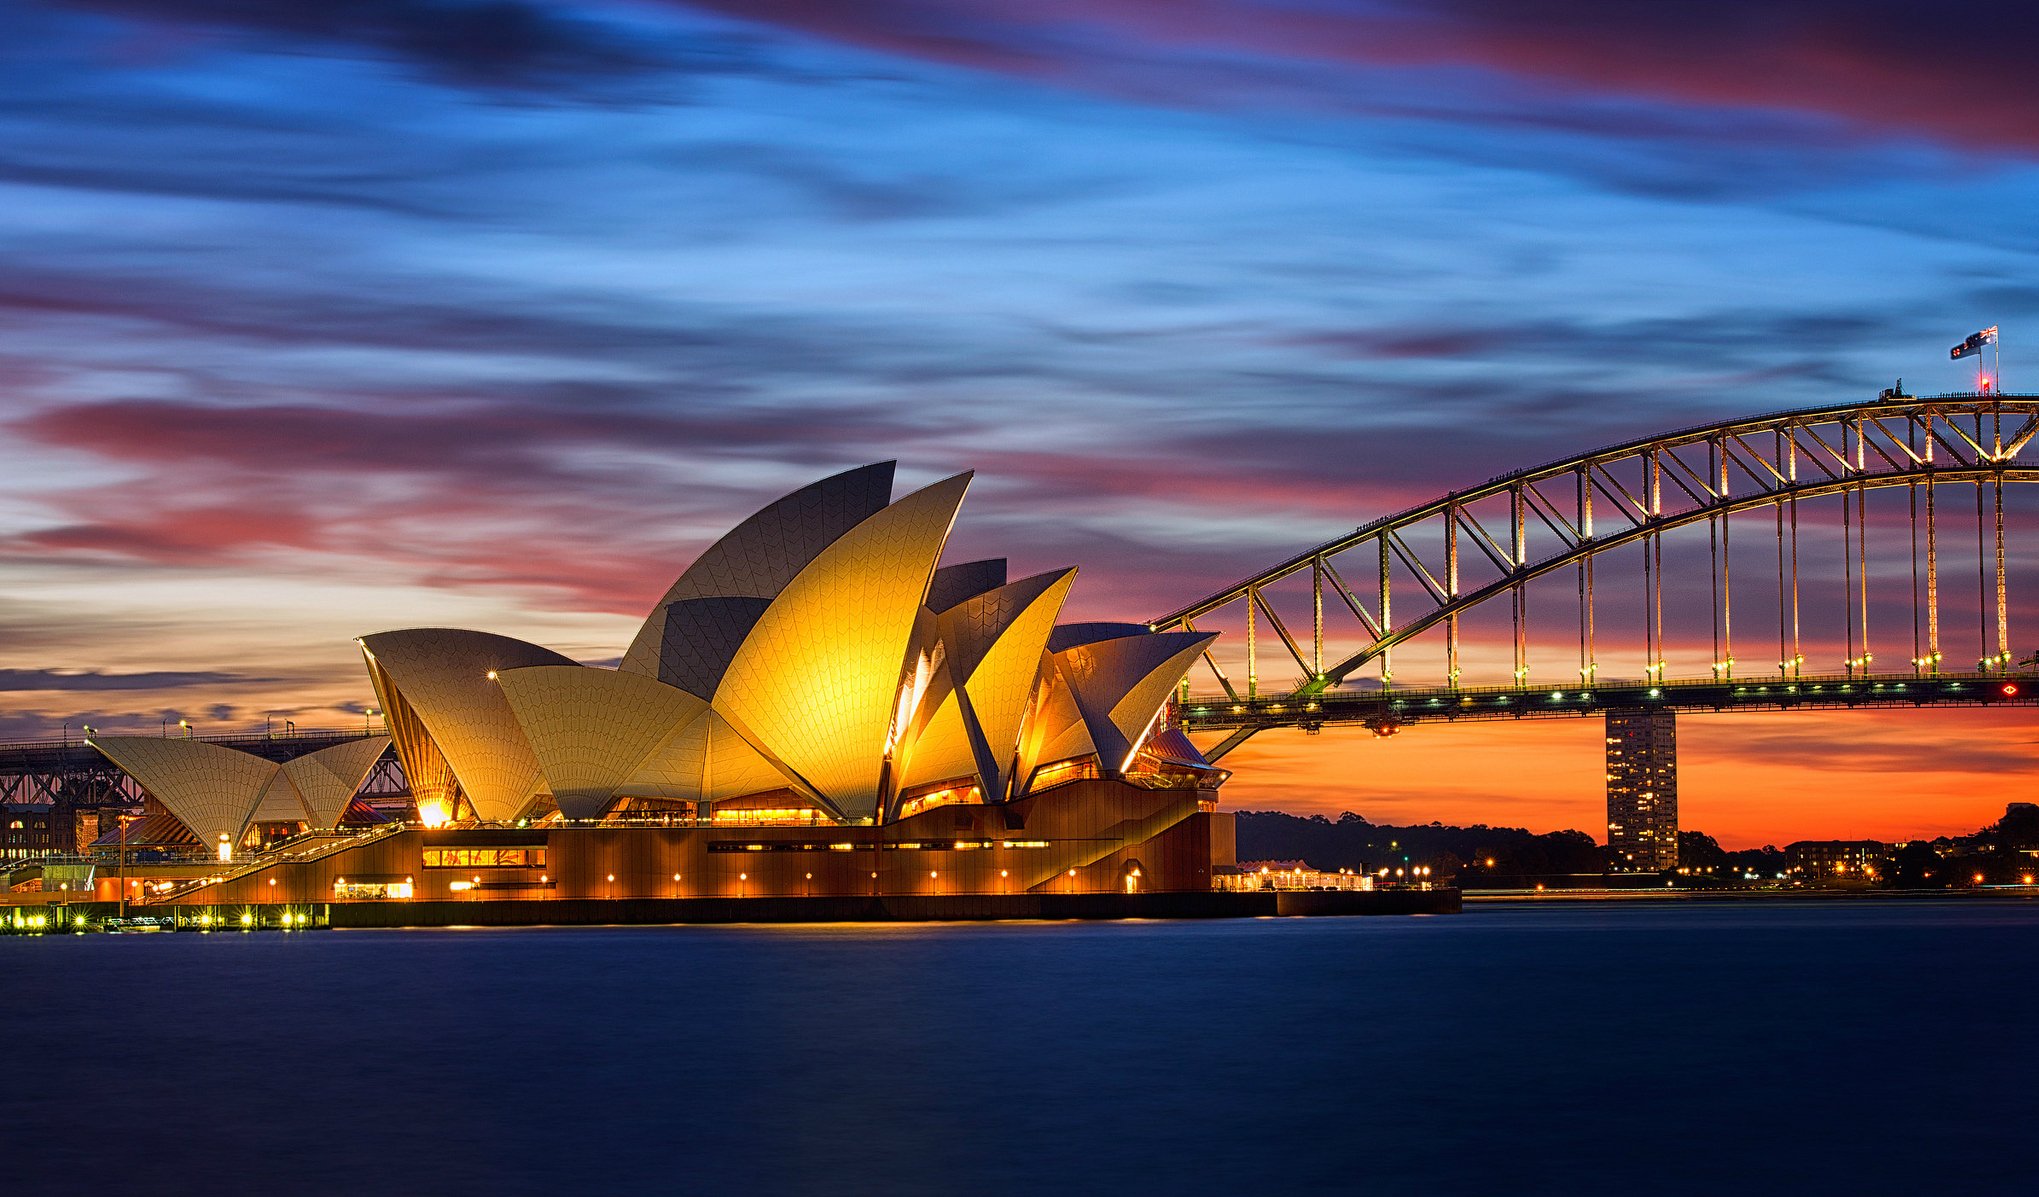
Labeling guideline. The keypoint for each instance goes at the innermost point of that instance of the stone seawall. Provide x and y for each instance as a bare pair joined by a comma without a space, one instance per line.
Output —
960,907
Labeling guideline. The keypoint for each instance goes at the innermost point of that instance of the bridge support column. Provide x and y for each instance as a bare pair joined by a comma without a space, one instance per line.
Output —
1642,790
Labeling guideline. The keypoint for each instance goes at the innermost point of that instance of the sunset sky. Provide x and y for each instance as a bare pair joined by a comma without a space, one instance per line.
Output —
322,319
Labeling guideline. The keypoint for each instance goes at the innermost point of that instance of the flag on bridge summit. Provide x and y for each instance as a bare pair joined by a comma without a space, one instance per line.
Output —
1973,345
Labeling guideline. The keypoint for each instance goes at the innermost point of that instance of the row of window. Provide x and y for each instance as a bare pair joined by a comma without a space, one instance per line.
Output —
484,858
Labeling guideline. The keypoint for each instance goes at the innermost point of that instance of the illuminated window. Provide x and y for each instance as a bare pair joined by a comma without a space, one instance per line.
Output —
785,814
484,858
948,794
350,891
1063,772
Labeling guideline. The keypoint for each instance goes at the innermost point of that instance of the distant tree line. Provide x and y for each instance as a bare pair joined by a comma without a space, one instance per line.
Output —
2004,853
1351,842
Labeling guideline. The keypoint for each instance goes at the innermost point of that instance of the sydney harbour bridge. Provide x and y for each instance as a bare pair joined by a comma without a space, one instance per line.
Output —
1855,555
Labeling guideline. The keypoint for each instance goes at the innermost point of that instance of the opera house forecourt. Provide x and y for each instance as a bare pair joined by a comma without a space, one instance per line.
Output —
818,719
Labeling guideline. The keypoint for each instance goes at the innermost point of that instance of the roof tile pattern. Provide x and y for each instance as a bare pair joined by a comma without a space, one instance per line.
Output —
281,802
701,638
590,729
765,552
328,779
966,580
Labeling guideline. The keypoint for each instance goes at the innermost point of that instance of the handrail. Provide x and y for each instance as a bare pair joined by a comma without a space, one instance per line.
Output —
327,845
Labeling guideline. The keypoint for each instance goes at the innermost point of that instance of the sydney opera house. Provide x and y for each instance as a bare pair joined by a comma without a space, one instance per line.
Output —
818,706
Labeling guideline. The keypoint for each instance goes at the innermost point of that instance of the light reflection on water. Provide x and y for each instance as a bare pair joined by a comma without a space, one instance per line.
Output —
1659,1048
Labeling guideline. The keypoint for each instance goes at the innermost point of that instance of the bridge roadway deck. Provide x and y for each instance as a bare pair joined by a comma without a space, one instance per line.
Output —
29,756
1397,707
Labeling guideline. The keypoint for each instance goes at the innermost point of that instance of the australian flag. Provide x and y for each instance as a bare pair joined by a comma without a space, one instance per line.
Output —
1973,345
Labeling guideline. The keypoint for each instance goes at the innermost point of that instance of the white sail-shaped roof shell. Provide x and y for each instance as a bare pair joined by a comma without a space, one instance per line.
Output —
1119,685
443,674
211,789
993,650
591,729
328,779
756,560
816,684
281,802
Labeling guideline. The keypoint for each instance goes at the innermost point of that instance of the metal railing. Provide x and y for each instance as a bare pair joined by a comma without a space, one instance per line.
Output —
293,852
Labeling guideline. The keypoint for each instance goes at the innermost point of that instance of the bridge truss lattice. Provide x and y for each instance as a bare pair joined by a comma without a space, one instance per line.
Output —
1427,568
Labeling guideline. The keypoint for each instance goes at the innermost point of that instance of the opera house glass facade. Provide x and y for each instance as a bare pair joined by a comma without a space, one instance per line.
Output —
817,706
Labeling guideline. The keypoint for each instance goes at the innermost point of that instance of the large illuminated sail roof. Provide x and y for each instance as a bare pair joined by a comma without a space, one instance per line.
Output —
1120,684
992,647
443,676
213,790
816,685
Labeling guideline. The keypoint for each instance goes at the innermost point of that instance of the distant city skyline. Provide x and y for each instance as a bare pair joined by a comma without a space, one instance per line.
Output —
324,323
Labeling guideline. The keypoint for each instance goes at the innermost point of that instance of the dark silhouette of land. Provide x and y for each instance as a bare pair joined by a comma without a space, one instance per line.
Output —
1481,857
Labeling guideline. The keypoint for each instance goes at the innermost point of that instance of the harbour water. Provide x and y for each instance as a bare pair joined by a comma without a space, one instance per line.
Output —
1867,1046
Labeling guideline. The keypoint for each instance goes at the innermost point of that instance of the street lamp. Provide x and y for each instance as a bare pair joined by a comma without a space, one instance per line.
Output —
367,713
186,725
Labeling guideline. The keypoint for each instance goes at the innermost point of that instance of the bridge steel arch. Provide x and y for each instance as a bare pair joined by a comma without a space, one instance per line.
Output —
1485,543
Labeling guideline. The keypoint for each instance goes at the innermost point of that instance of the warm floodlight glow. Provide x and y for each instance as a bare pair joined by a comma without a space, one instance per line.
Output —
432,812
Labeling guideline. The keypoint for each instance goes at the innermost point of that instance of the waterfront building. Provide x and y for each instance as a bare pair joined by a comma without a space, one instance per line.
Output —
1252,875
1836,860
28,829
1642,791
817,706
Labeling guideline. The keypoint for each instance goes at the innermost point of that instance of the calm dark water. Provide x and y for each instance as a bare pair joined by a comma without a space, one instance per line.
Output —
1860,1047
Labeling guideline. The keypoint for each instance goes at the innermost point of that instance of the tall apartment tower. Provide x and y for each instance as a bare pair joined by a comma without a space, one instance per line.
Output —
1642,791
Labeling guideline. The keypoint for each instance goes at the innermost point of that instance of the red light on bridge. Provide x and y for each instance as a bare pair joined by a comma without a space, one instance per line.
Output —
2008,689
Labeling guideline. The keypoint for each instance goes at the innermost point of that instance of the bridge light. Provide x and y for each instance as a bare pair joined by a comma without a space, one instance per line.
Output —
1656,693
2008,689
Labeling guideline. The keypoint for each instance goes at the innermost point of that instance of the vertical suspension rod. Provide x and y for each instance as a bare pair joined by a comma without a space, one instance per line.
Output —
1862,566
1451,589
1981,582
2003,610
1252,648
1777,508
1387,617
1713,456
1317,619
1519,556
1848,578
1932,559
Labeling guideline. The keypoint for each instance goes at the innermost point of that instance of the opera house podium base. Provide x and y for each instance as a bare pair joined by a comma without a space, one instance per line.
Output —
1088,849
956,908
